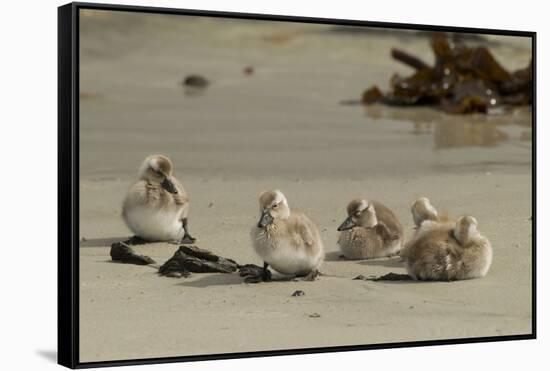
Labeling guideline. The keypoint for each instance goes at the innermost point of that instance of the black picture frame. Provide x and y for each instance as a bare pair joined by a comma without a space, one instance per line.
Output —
68,184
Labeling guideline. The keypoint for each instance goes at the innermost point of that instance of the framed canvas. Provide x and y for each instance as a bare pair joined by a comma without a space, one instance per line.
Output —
243,185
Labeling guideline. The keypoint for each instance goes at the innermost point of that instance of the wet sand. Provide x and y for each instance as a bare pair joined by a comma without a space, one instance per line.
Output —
283,127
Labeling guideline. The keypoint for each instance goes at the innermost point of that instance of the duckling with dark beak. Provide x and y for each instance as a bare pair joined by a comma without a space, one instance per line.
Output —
286,239
371,230
156,207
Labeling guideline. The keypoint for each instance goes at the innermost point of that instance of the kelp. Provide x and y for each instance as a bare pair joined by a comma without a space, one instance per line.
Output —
191,259
462,80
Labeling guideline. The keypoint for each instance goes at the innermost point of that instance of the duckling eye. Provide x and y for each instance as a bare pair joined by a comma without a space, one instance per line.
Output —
275,206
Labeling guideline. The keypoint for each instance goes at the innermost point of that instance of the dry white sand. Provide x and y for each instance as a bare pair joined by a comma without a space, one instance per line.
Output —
283,128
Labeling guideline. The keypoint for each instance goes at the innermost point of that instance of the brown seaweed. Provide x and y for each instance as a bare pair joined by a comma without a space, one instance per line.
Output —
462,80
386,277
191,259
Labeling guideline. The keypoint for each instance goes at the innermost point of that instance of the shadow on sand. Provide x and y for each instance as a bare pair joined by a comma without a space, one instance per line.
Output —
214,279
202,280
102,242
383,262
334,256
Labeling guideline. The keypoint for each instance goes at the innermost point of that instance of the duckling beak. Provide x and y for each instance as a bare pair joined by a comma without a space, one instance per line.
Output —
169,186
347,224
265,220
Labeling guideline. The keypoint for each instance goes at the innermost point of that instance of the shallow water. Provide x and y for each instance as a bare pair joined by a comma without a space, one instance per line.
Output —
285,120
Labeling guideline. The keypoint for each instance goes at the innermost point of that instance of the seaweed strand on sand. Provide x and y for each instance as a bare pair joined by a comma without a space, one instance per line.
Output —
191,259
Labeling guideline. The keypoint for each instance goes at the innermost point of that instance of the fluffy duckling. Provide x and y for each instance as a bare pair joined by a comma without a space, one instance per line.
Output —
286,239
156,207
425,214
422,210
371,230
448,251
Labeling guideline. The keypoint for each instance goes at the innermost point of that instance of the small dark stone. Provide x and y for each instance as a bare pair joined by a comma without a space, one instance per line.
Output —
123,253
298,293
196,81
248,70
314,315
189,259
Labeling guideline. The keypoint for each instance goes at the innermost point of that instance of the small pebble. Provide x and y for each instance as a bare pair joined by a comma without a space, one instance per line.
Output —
210,204
196,81
298,293
248,70
314,315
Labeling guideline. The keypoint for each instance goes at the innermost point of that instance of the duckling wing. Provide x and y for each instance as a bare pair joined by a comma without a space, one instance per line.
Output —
181,197
142,193
305,231
152,192
151,195
387,217
383,231
305,235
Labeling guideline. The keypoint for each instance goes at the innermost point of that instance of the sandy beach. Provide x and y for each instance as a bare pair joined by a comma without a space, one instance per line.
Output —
284,127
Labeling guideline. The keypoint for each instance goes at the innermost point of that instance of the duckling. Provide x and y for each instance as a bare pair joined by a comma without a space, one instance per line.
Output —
156,207
445,252
423,211
286,239
370,231
425,214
